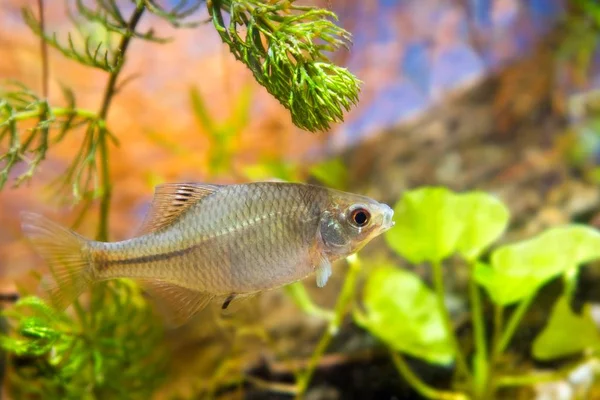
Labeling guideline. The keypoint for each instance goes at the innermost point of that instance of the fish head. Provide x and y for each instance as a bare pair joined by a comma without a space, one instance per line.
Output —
349,221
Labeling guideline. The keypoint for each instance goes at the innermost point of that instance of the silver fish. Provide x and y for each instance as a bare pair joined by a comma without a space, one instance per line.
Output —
201,242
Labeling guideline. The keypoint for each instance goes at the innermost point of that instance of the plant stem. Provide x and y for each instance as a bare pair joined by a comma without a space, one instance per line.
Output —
480,359
513,323
542,376
109,93
528,379
440,292
58,111
497,334
298,293
44,50
102,234
498,325
341,306
424,389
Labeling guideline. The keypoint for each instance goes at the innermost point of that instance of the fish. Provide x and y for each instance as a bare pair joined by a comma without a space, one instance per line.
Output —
203,242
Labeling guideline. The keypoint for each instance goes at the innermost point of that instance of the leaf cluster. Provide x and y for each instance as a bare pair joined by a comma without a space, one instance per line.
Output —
29,127
114,352
434,224
285,45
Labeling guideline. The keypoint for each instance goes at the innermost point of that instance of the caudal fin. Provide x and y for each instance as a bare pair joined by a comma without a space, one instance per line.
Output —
70,271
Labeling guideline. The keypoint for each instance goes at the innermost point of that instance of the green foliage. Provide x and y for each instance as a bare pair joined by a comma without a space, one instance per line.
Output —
582,27
426,228
19,104
113,351
284,46
518,270
566,333
223,136
294,69
483,218
434,223
273,168
332,173
401,310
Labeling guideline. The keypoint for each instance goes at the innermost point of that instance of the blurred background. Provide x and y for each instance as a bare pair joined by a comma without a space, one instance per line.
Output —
498,95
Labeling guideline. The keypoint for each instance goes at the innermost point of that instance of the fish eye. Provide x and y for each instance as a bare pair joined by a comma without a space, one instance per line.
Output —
360,216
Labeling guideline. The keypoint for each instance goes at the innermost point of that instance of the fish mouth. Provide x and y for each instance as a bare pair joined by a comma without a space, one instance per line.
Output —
388,215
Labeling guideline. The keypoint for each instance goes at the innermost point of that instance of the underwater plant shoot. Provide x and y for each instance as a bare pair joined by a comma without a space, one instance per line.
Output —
299,199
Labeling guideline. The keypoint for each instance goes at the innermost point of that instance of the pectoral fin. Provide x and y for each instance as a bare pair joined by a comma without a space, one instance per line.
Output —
323,272
178,304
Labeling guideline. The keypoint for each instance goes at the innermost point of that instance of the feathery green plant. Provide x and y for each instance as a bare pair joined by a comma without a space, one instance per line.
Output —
284,46
112,353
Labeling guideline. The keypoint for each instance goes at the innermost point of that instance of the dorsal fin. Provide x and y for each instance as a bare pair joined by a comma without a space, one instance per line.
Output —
170,201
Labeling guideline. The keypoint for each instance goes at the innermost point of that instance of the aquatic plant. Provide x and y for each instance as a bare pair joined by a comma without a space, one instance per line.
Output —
112,351
285,46
97,352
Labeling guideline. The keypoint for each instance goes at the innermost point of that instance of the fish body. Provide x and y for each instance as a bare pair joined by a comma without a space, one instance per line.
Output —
200,242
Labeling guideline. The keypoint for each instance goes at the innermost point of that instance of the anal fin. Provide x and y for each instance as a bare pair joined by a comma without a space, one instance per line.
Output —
176,303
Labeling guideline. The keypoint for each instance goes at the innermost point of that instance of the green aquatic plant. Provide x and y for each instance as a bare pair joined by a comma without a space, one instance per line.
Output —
435,224
107,349
285,45
113,352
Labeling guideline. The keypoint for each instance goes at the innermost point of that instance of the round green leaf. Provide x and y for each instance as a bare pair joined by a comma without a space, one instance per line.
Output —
504,288
519,270
402,311
427,225
484,220
566,333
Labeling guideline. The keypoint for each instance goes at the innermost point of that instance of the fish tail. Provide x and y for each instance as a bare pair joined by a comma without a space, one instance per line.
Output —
67,254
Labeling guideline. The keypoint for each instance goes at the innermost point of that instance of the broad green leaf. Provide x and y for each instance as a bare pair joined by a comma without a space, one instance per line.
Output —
402,312
504,288
434,223
518,270
484,220
566,333
427,225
